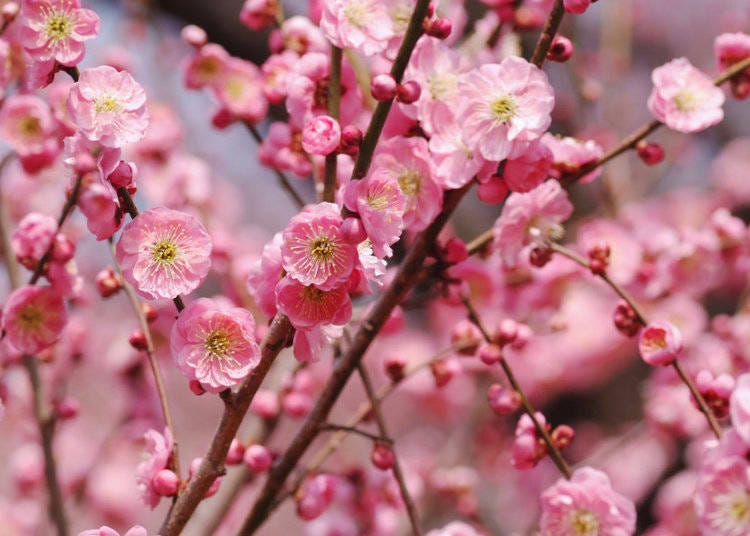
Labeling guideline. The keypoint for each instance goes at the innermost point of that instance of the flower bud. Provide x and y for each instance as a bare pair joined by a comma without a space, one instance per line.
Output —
408,92
150,312
383,87
626,321
382,456
493,191
196,387
353,230
123,175
165,483
455,251
222,118
257,458
490,353
650,153
351,139
108,283
465,337
540,256
560,50
193,35
321,135
562,436
235,453
137,340
66,408
502,400
438,28
394,368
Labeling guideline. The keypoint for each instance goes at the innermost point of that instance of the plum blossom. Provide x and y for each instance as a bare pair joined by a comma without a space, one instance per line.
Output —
33,318
660,343
586,505
164,253
504,107
104,530
684,98
26,124
158,452
739,407
570,154
108,106
321,135
722,498
215,344
531,217
57,29
239,90
308,306
363,25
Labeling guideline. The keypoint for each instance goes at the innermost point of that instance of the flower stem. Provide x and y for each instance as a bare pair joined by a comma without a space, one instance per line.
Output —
548,34
334,98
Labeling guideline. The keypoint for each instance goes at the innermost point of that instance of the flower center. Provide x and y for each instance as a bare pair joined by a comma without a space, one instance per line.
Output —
685,101
30,126
58,26
314,294
400,17
442,86
322,248
217,343
235,88
107,103
377,202
657,341
31,318
584,523
740,508
164,251
410,183
504,108
356,13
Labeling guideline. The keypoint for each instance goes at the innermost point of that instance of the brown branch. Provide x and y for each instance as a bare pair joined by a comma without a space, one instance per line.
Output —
552,449
330,427
397,471
702,404
334,97
161,390
407,275
548,34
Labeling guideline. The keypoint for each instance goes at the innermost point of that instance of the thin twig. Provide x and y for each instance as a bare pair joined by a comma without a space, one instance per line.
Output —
334,98
641,317
397,471
161,390
283,180
548,34
330,427
552,449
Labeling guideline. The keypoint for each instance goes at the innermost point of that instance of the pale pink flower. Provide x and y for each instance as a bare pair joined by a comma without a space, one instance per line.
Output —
57,29
265,274
321,135
529,169
158,451
26,124
99,203
206,66
33,318
363,25
576,6
309,344
532,217
104,530
570,154
275,71
684,98
722,498
455,164
108,106
257,14
32,238
315,250
503,107
308,306
659,344
239,89
282,149
214,343
380,204
164,253
300,35
586,505
739,407
407,162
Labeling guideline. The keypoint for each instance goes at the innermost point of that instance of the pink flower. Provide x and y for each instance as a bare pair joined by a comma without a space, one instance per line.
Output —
56,30
504,107
282,149
158,451
164,253
257,14
99,203
380,204
108,106
570,154
660,343
684,98
528,170
265,274
239,90
206,66
33,236
455,528
455,164
315,250
408,164
739,407
586,505
532,217
363,25
308,306
26,124
576,6
33,318
528,450
104,530
722,498
730,48
321,135
215,344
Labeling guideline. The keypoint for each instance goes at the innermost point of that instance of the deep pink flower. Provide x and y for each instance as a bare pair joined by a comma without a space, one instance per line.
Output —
363,25
659,344
56,30
321,135
257,14
315,250
532,217
380,204
158,451
26,124
576,6
108,106
684,98
528,450
586,505
503,107
722,498
33,318
308,306
215,344
529,169
730,48
164,253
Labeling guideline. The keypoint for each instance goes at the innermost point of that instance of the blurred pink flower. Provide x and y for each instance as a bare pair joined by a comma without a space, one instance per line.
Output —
158,451
26,124
33,318
164,253
684,98
722,498
215,344
659,344
108,106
